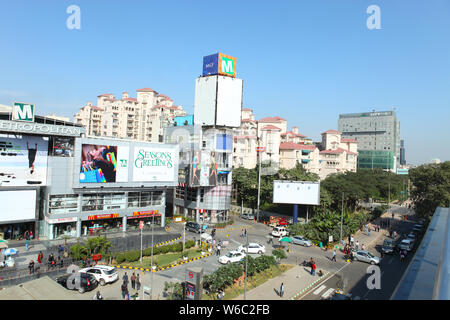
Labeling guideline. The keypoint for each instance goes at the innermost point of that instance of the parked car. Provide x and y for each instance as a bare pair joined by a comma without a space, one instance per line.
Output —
366,256
388,246
417,228
279,232
252,248
103,274
232,256
405,244
248,216
87,282
194,227
301,241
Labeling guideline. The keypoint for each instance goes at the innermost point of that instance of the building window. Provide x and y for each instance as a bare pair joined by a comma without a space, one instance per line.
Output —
64,203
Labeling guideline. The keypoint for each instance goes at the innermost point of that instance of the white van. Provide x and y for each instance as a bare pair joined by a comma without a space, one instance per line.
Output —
279,232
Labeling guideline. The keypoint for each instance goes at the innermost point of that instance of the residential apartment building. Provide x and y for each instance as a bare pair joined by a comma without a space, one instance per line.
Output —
378,136
287,148
141,118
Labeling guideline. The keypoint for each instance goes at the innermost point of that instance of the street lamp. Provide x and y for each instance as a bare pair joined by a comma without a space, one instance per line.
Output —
342,215
259,179
246,263
151,260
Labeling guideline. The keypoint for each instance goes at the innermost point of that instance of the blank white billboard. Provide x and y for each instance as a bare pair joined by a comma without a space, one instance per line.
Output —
229,101
296,192
205,100
18,205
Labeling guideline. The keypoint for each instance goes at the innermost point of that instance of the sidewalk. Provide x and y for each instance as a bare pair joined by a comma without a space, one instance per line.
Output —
295,280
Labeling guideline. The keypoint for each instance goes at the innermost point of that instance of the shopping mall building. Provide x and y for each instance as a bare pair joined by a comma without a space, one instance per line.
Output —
55,181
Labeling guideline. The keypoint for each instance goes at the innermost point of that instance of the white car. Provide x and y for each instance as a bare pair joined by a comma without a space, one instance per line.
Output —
232,256
252,248
103,274
406,244
279,232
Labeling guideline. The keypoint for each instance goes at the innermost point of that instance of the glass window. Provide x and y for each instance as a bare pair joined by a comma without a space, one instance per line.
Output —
64,203
133,199
157,198
146,199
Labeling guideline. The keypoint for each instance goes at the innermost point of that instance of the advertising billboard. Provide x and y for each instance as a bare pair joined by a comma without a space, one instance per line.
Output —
23,160
205,101
14,207
154,164
296,192
229,102
102,164
219,64
204,169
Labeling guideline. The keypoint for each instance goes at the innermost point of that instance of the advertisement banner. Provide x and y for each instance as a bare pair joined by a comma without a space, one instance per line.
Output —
98,163
203,171
153,164
23,160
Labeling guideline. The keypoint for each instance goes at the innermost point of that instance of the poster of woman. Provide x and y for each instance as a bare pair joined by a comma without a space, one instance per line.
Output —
98,163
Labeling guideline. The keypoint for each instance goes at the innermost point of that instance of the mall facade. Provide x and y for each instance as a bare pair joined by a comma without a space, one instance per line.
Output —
55,181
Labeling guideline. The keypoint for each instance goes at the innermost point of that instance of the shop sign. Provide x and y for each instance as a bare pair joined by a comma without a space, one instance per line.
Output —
61,220
146,213
104,216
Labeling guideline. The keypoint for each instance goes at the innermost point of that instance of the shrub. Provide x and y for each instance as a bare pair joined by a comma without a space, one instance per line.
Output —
131,256
279,254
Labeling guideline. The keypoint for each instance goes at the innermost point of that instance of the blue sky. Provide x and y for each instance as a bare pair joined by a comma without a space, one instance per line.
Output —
306,61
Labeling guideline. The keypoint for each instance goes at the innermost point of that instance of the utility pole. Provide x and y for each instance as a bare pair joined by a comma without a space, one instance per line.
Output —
246,262
259,180
151,260
342,214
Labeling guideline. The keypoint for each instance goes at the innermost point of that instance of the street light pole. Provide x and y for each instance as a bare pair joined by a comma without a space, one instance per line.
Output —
342,214
259,181
245,275
151,260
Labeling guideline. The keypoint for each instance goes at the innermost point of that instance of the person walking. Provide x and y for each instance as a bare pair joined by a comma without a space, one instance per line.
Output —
218,250
40,257
334,256
124,290
352,240
138,283
282,290
27,244
31,267
363,246
133,281
98,296
313,269
357,245
125,279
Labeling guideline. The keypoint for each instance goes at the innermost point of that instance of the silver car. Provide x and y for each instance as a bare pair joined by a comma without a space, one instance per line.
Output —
366,256
301,241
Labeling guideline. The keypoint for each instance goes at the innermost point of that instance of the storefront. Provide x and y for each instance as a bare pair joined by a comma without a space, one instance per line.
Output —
101,223
148,217
15,231
62,227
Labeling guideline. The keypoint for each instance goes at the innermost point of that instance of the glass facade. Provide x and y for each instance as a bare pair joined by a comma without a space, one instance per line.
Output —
375,160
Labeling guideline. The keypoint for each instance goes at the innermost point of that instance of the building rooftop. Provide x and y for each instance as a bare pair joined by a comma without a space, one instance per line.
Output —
270,127
332,132
296,146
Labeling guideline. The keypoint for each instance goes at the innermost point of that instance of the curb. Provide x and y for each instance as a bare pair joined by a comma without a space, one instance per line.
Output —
309,287
166,267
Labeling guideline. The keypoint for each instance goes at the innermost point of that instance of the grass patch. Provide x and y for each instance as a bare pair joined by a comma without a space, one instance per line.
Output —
163,260
252,282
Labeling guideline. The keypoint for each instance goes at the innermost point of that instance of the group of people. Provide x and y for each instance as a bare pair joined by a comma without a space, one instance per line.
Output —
52,263
135,285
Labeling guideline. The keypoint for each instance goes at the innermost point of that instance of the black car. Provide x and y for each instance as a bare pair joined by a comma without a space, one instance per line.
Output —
194,227
388,246
87,282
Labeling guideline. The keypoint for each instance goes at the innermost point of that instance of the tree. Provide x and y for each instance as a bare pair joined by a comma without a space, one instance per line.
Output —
431,187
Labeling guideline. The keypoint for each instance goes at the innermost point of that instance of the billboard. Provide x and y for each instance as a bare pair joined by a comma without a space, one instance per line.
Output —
229,102
14,207
204,169
218,101
219,64
63,146
23,160
103,164
22,112
154,164
296,192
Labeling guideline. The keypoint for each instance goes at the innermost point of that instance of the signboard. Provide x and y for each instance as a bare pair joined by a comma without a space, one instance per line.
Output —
40,128
103,216
153,164
145,214
61,220
22,112
204,169
23,160
296,192
219,64
141,225
402,171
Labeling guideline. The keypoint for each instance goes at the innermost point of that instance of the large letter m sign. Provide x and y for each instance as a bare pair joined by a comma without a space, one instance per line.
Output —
23,112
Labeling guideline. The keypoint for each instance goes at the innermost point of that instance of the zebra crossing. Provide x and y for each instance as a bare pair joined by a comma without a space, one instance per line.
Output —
325,293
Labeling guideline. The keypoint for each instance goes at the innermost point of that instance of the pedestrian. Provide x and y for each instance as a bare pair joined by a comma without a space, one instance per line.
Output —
27,244
125,278
357,245
242,233
363,246
313,269
352,241
334,256
218,250
282,290
220,294
124,290
60,249
31,234
31,267
133,281
245,232
138,283
98,296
